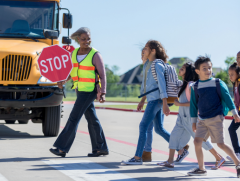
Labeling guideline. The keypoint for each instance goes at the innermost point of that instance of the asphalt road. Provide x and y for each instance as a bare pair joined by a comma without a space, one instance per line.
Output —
25,153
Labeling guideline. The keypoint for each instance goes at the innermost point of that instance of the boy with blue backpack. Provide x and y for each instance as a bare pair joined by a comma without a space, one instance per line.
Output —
210,102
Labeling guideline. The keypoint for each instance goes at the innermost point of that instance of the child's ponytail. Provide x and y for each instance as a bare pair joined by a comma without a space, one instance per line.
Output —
190,75
233,66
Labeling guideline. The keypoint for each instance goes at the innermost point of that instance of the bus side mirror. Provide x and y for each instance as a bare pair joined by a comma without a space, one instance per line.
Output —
66,40
67,20
50,34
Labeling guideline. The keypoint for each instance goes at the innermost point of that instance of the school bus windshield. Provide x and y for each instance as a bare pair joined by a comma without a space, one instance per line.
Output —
24,18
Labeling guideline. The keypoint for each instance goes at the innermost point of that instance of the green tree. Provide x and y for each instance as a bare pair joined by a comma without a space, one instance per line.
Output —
111,74
179,65
229,61
223,75
136,90
113,88
182,61
133,90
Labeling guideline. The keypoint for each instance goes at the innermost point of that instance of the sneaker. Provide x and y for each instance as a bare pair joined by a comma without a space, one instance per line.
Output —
132,161
230,159
218,164
238,171
166,164
198,172
162,163
181,157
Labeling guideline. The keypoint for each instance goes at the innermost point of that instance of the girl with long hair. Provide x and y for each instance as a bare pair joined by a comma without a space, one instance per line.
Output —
234,75
157,101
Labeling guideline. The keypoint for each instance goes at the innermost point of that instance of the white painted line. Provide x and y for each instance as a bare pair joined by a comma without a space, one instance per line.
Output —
2,178
82,170
212,175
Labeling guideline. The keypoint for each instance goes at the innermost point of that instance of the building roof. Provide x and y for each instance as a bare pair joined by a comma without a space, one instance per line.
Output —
177,60
133,76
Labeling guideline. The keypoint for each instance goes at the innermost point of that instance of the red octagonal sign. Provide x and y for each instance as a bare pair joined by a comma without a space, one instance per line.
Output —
55,63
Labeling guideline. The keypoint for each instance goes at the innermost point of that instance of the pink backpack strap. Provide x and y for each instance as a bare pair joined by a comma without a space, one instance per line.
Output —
187,91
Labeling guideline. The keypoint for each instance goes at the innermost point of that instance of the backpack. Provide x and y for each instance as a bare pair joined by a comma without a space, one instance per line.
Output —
217,81
172,82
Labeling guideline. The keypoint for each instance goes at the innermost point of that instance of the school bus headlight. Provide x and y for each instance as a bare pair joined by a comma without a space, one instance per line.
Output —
44,80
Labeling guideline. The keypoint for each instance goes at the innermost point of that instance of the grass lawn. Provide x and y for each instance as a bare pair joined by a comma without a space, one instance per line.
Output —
123,99
68,98
115,99
172,108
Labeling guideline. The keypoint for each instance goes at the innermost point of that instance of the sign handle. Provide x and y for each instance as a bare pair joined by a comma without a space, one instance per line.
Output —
64,92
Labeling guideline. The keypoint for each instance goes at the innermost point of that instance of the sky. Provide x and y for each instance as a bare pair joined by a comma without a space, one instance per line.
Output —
186,28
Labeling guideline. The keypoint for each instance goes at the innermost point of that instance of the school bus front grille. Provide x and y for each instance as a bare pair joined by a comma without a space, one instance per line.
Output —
16,68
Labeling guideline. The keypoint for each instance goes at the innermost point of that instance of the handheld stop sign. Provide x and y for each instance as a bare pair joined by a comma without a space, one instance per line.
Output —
55,63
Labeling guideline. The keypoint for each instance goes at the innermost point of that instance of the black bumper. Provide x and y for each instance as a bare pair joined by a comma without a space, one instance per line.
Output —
51,96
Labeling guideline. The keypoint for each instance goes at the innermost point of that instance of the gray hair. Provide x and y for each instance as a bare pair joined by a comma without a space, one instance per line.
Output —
78,33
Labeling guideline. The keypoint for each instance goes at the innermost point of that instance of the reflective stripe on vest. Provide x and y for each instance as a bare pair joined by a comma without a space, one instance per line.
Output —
83,74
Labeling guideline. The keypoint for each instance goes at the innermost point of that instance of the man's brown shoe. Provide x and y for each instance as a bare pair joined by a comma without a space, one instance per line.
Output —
147,156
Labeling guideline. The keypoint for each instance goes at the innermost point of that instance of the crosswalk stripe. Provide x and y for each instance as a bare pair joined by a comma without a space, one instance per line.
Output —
82,170
157,151
2,178
212,175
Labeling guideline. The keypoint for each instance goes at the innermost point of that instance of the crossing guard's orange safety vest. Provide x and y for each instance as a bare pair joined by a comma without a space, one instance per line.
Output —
83,74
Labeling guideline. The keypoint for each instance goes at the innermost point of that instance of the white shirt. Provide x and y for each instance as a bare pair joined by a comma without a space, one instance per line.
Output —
81,57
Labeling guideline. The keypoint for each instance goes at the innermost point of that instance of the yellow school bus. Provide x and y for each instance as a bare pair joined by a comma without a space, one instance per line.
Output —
26,27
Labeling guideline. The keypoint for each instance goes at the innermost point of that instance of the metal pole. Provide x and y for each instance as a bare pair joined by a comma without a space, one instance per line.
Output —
125,93
68,21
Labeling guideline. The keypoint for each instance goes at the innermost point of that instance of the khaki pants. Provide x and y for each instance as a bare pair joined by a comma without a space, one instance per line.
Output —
212,127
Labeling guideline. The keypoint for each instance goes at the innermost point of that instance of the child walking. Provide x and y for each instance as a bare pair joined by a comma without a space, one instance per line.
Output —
147,151
182,131
157,101
210,100
234,75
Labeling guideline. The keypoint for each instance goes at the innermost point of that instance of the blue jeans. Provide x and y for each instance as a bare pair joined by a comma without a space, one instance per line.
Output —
148,144
83,105
233,135
153,113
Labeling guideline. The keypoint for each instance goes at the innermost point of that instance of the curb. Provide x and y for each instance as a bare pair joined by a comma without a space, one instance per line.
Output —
122,102
118,109
132,110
